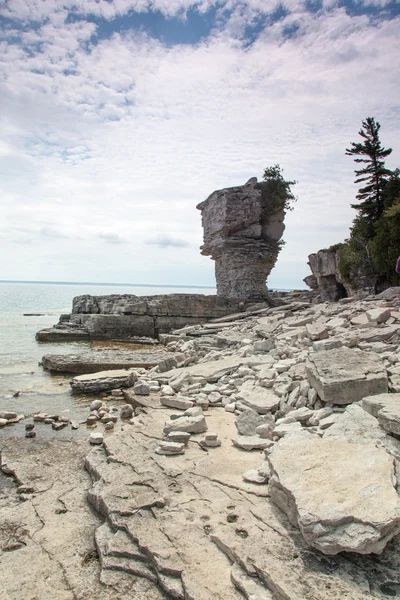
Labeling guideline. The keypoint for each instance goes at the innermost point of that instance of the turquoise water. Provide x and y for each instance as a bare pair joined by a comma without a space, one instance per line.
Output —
20,353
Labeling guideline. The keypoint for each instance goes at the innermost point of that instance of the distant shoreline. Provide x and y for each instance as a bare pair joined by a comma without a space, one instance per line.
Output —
155,285
141,285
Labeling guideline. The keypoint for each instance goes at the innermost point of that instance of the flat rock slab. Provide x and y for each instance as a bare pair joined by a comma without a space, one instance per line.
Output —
94,383
340,495
211,371
251,442
386,409
346,375
261,400
104,360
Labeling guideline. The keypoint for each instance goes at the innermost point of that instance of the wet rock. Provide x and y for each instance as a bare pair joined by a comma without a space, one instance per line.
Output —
96,405
93,383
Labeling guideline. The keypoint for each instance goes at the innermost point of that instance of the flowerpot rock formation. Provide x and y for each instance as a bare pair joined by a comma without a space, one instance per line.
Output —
242,229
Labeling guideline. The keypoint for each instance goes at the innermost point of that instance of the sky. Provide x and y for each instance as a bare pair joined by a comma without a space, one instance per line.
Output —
119,116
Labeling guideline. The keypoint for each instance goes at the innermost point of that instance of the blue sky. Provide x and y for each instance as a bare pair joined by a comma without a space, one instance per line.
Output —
119,117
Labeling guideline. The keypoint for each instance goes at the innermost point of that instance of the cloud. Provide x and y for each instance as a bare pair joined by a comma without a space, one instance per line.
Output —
111,238
106,145
165,241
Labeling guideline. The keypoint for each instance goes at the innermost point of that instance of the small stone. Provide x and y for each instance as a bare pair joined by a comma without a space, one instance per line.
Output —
30,434
287,429
74,425
264,431
126,411
96,438
167,390
96,405
48,421
203,404
214,443
253,476
231,407
40,416
107,417
57,426
91,420
3,422
170,448
29,426
251,442
211,436
7,414
176,402
182,437
142,388
116,393
25,489
109,425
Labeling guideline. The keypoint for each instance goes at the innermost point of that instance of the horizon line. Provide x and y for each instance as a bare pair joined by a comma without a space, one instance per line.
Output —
164,285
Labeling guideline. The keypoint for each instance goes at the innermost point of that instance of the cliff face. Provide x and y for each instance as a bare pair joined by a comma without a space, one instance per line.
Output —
241,233
327,281
325,276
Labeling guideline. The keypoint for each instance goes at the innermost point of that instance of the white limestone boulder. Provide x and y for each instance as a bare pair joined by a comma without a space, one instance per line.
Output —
340,495
260,399
386,408
346,375
93,383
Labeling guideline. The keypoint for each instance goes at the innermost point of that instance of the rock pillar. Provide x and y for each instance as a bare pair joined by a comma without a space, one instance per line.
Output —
242,229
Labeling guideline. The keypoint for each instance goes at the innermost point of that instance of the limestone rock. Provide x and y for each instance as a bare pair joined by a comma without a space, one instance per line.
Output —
195,424
94,383
241,233
249,420
346,375
251,442
340,495
141,388
104,360
260,399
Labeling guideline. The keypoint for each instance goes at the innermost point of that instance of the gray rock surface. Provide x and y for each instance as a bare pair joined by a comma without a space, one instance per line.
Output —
346,375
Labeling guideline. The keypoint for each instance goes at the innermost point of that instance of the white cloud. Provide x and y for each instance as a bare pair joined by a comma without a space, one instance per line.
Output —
118,142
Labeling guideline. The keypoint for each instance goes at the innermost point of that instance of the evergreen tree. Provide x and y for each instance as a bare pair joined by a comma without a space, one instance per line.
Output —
374,173
279,190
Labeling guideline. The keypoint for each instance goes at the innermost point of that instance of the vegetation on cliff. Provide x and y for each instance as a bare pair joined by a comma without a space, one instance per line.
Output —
371,251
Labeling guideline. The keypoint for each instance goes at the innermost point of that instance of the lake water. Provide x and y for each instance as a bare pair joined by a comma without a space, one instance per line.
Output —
20,353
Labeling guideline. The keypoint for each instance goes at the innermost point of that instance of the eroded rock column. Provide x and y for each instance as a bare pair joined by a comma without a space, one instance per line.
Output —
242,229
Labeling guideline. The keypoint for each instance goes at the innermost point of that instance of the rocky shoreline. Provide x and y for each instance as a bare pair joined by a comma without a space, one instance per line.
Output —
258,458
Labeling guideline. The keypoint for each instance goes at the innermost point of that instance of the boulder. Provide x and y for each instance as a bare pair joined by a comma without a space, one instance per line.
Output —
340,495
248,421
93,383
194,424
346,375
260,399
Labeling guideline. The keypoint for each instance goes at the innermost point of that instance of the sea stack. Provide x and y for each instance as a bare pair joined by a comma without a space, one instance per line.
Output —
242,229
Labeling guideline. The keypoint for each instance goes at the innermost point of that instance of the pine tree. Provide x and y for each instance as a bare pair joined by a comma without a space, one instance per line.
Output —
372,154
